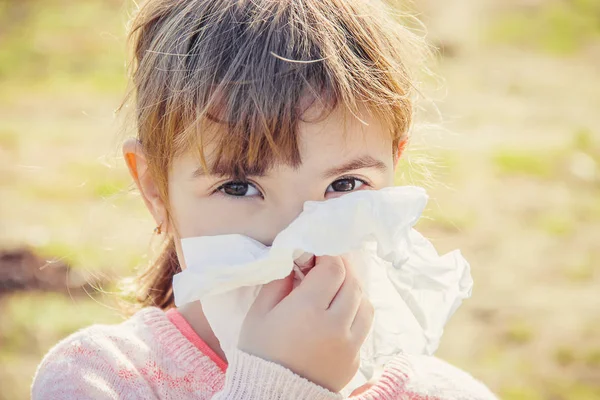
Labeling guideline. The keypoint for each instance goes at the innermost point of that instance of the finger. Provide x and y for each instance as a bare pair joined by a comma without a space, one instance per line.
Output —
362,322
271,294
303,264
322,282
348,299
362,389
305,261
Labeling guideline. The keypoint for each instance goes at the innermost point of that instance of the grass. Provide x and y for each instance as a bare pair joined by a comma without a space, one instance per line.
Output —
555,26
521,393
556,224
76,254
573,391
583,140
9,139
592,358
99,180
518,333
555,390
524,162
579,159
52,323
581,271
565,356
34,53
447,220
94,258
22,344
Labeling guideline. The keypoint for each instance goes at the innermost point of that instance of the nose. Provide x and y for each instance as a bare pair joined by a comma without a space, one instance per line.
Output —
281,214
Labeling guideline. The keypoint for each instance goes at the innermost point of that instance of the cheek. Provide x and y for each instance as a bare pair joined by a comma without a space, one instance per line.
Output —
196,211
390,177
201,214
210,217
195,216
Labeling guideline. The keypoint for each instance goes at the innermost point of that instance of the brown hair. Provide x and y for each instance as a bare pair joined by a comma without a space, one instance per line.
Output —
246,70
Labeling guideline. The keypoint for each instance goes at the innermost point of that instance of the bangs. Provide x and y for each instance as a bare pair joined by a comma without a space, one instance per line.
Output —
240,75
251,126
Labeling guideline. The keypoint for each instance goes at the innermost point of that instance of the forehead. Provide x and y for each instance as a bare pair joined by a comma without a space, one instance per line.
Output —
343,134
322,138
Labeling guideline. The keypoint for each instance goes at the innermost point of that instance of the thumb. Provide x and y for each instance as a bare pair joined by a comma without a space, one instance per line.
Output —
271,294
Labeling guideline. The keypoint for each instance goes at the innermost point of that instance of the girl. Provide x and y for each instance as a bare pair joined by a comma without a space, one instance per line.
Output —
246,109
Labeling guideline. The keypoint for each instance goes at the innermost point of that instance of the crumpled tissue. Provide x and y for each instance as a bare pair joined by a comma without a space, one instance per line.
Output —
414,291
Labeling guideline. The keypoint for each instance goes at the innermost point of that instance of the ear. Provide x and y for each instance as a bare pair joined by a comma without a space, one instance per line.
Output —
138,169
400,151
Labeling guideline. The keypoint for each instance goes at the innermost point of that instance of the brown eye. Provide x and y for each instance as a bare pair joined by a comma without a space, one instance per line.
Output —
345,185
239,189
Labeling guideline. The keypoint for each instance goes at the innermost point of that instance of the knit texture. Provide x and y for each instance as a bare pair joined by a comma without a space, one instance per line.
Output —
148,357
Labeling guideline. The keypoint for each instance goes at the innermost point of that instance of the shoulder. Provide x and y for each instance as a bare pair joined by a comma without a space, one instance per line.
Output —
145,356
96,341
95,362
431,376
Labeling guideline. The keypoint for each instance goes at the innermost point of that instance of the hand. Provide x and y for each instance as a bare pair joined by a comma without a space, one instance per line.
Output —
364,388
316,329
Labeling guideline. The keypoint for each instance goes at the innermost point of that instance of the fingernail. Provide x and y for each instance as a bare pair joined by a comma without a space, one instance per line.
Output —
305,260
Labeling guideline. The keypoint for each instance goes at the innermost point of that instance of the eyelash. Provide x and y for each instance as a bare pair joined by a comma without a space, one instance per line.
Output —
342,178
221,188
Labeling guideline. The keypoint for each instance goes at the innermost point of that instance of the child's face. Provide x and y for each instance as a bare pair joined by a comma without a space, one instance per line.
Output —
334,162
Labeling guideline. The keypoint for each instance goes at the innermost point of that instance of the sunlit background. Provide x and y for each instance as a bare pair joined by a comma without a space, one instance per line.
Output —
515,184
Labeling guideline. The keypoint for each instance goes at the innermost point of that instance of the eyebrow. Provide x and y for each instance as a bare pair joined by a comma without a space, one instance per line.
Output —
357,163
354,164
221,170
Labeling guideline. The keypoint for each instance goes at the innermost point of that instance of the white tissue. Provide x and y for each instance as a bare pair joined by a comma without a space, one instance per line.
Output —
413,290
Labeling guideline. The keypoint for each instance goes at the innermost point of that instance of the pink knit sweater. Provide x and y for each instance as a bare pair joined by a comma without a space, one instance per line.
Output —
157,355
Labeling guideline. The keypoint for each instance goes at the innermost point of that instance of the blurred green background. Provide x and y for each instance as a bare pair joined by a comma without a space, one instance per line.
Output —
515,167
